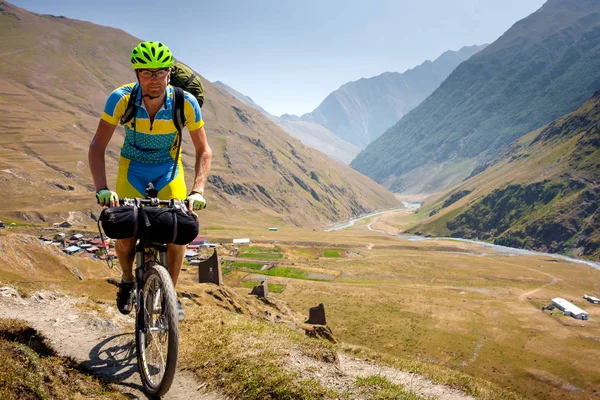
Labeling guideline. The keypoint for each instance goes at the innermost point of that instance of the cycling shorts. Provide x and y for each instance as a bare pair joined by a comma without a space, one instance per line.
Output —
133,177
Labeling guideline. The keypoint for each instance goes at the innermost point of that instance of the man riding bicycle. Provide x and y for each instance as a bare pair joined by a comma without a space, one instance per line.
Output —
149,152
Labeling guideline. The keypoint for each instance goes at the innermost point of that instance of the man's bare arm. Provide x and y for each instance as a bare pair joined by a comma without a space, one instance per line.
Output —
96,153
203,157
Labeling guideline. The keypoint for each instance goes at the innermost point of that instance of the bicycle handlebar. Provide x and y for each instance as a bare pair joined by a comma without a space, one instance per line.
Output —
154,202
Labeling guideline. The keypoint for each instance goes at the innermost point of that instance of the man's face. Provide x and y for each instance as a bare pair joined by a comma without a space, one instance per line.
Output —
153,80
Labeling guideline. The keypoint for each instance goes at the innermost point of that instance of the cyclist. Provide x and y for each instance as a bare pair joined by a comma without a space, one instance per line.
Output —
148,153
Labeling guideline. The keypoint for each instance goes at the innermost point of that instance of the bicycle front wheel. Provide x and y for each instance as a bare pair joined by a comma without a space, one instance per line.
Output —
157,331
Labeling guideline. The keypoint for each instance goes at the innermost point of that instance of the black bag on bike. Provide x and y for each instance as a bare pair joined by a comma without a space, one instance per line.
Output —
153,224
120,222
167,225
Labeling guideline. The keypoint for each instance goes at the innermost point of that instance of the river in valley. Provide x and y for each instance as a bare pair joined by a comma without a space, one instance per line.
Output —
495,247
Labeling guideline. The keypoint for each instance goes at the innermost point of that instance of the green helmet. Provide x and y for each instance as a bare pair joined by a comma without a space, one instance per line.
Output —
151,55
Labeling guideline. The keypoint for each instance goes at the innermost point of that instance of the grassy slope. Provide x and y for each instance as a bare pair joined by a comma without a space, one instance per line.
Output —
56,76
230,340
543,67
31,370
445,310
460,306
542,194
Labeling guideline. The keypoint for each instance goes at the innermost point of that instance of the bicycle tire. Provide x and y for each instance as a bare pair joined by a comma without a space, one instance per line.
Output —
158,275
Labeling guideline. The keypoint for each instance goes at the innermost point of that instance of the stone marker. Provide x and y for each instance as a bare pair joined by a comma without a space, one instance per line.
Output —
261,290
209,271
316,315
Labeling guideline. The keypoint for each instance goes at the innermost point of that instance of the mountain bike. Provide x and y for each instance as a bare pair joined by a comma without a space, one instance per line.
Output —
155,301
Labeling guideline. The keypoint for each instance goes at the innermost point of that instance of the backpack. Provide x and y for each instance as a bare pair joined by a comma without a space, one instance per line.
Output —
182,78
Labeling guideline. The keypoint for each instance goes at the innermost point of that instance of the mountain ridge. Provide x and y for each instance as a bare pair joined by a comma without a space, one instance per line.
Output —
543,67
54,87
541,194
361,110
311,134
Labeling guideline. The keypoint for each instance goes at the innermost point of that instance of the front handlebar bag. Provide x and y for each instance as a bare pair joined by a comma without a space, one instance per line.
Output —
167,225
120,222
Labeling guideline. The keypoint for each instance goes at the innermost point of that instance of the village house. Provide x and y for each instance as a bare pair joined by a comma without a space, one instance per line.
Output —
72,249
591,299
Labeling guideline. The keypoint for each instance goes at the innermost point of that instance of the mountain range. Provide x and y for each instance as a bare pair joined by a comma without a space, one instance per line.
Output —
543,67
55,77
360,111
309,133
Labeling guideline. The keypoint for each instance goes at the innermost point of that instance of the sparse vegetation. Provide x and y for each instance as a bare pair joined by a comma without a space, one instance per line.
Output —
509,205
439,309
31,370
377,387
247,359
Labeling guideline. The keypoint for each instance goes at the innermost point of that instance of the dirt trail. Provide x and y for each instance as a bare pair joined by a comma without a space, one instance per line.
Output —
524,296
103,340
342,378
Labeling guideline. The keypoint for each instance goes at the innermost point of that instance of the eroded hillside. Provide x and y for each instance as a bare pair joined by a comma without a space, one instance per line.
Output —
542,194
56,76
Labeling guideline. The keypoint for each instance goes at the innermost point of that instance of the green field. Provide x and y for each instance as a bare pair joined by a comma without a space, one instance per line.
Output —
239,264
273,287
286,272
261,256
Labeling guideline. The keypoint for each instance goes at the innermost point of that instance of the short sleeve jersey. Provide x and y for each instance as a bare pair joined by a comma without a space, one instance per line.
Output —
146,142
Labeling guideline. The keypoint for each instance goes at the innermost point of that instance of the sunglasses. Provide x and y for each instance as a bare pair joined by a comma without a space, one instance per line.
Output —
147,74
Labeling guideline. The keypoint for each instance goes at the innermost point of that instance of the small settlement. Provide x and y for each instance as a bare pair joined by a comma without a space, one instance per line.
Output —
87,247
95,248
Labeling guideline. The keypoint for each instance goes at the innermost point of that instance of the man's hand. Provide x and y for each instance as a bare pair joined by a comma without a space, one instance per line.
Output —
196,201
106,198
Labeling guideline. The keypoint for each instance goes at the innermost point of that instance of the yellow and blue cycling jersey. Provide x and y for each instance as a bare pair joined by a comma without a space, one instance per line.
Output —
150,148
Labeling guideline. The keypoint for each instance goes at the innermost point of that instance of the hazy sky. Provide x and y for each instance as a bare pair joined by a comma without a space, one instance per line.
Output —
288,55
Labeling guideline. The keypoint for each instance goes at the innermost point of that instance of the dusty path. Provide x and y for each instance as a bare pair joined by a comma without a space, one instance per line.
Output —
101,339
524,296
527,294
343,377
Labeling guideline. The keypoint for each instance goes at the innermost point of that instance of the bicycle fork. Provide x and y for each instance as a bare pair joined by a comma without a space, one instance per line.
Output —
139,294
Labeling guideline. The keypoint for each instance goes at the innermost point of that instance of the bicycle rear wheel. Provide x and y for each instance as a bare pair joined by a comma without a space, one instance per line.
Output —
157,331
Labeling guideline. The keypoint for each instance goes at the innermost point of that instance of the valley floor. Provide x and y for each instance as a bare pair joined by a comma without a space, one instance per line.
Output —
458,314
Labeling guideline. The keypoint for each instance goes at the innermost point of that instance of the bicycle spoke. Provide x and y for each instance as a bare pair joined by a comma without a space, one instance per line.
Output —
157,332
157,347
